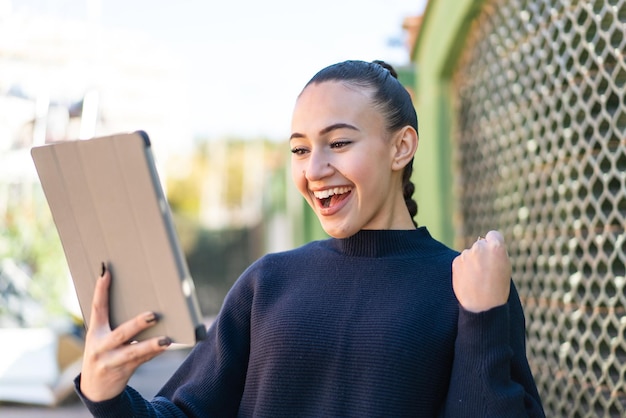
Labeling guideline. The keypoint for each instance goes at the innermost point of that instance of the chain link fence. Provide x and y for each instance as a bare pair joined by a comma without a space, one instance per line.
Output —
541,155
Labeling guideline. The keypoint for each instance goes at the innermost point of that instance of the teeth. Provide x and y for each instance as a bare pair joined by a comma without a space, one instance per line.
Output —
324,194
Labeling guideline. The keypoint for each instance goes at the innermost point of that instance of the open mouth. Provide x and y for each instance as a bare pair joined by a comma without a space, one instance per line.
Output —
329,197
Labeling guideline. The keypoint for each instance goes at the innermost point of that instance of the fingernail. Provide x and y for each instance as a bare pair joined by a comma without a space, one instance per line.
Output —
103,269
165,341
152,317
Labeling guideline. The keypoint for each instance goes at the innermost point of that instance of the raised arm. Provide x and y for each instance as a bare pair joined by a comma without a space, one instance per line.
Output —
490,374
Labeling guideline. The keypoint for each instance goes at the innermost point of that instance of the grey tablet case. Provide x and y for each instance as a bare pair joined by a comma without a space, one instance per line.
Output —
108,206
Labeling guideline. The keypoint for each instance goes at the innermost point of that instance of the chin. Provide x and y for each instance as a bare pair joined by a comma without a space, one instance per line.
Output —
339,231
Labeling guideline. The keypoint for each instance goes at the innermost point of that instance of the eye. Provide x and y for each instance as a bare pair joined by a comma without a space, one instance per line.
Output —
298,151
339,144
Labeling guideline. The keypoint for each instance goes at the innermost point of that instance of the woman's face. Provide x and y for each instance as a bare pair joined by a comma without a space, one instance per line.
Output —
343,161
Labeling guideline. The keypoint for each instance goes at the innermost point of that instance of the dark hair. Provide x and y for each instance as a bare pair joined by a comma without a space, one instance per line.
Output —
389,96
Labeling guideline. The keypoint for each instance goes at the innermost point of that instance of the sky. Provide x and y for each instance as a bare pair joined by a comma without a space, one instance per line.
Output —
247,60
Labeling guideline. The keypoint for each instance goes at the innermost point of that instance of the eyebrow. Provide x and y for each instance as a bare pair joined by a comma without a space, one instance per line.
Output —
327,130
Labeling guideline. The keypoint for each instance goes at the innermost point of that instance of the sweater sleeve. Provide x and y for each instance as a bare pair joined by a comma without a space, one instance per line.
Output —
209,383
490,373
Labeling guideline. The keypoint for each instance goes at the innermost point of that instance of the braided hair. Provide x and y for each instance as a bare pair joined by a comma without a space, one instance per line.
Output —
391,98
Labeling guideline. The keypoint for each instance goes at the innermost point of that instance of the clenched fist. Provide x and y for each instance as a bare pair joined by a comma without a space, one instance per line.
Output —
481,275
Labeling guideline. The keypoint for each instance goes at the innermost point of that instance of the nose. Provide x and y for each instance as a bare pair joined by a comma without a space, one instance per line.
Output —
318,166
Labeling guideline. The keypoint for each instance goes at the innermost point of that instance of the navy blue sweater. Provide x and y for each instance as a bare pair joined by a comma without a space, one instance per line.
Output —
366,326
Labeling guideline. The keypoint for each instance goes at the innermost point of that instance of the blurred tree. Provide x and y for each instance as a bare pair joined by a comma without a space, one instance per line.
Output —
223,183
211,183
33,270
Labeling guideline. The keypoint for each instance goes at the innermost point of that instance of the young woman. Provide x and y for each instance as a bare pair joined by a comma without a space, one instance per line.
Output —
379,320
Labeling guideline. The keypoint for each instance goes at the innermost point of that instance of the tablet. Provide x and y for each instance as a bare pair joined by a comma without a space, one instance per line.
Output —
108,206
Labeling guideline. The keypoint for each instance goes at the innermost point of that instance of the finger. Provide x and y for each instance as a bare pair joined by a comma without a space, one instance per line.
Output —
460,261
127,331
496,241
133,355
100,304
494,237
479,244
456,262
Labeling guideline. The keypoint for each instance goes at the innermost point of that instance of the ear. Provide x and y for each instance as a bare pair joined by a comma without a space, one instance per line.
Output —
405,145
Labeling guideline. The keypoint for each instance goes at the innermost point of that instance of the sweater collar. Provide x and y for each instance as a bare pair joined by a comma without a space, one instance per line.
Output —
384,243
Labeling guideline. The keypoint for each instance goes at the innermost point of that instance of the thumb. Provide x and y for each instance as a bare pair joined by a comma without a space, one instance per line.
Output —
100,303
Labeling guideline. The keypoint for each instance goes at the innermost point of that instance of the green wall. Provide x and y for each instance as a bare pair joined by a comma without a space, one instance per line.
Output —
439,44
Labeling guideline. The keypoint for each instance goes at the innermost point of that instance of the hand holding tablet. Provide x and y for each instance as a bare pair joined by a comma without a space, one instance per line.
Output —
108,206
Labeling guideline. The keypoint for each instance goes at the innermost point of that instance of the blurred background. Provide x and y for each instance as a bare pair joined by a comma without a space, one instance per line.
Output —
522,116
213,84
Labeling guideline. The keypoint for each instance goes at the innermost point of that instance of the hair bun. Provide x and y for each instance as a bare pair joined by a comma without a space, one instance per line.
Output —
387,67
